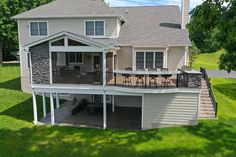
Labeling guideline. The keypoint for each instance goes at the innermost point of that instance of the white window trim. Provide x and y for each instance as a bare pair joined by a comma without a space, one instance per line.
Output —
95,36
154,59
29,26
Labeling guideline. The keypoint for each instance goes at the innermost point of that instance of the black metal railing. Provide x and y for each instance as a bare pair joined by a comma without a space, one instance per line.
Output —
211,92
150,81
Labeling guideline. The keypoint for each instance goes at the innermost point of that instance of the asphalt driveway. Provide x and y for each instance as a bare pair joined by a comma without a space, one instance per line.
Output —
221,73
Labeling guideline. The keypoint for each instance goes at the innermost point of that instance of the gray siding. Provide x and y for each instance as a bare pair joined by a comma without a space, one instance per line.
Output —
124,57
175,57
128,101
169,109
75,25
40,63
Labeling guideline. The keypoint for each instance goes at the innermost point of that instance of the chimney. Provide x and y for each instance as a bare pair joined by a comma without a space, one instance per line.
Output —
185,13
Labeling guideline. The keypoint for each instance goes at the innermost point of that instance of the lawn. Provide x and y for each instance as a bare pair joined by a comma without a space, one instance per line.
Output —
18,137
207,60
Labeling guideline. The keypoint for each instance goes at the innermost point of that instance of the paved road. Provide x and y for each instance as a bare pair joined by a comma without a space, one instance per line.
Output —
221,73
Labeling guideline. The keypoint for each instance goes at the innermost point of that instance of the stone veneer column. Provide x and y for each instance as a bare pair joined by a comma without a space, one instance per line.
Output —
40,63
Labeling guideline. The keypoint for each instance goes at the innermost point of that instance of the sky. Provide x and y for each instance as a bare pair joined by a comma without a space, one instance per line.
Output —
113,3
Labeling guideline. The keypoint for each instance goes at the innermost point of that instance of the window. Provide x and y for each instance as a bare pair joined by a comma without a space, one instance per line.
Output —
159,59
60,42
75,43
94,28
75,57
149,60
38,28
140,60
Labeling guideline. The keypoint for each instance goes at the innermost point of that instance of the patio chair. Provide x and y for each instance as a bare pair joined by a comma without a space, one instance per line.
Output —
140,78
166,80
153,78
127,77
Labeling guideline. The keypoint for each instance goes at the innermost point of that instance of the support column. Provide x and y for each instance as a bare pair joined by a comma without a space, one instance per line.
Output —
52,109
104,112
113,103
186,56
166,58
104,67
35,108
57,100
44,106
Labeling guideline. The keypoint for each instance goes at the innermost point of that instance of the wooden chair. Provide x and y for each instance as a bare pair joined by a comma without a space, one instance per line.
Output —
153,78
127,77
140,79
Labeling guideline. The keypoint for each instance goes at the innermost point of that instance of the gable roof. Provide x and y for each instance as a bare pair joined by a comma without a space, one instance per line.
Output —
73,36
152,26
69,8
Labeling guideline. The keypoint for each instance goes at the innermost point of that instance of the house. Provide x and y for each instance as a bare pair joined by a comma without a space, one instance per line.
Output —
123,62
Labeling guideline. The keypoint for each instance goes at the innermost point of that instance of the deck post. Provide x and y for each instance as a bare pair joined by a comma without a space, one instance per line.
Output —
44,106
104,112
57,100
35,108
104,54
113,103
52,109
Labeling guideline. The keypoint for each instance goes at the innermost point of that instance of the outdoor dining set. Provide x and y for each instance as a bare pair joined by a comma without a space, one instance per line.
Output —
144,77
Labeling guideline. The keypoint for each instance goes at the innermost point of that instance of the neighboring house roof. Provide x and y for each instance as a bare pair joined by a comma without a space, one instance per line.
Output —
82,38
152,26
69,8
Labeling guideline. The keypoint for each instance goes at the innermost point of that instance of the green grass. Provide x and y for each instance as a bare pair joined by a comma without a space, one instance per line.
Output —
207,60
18,136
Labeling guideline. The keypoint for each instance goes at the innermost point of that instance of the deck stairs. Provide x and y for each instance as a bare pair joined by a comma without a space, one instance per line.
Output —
207,110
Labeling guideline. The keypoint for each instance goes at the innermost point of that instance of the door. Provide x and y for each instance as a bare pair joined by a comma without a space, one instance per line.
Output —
96,62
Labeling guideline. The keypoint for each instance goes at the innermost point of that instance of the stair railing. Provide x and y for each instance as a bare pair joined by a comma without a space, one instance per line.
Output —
211,92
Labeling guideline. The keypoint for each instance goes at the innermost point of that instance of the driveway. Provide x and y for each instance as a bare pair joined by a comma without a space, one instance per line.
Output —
221,73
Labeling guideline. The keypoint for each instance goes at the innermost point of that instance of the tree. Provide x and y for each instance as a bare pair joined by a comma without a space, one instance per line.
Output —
202,27
213,25
8,26
228,37
193,51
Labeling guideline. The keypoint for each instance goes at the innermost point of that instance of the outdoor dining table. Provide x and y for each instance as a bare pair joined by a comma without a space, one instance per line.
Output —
164,74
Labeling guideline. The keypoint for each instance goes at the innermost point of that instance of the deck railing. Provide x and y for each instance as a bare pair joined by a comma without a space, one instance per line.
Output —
145,79
211,92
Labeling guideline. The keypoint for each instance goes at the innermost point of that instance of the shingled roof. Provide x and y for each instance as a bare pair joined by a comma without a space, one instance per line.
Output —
69,8
152,26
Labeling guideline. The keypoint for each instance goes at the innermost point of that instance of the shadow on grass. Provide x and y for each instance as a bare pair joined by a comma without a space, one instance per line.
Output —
61,141
220,134
24,110
14,84
228,89
11,64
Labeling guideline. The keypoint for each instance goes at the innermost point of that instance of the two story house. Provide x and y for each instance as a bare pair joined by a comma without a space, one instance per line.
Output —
123,62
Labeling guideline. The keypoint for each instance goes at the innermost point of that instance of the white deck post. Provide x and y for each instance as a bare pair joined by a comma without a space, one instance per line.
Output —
57,100
186,56
113,103
44,106
104,112
104,67
52,109
35,108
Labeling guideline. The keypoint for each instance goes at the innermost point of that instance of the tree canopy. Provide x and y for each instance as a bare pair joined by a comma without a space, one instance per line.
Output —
8,26
213,26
